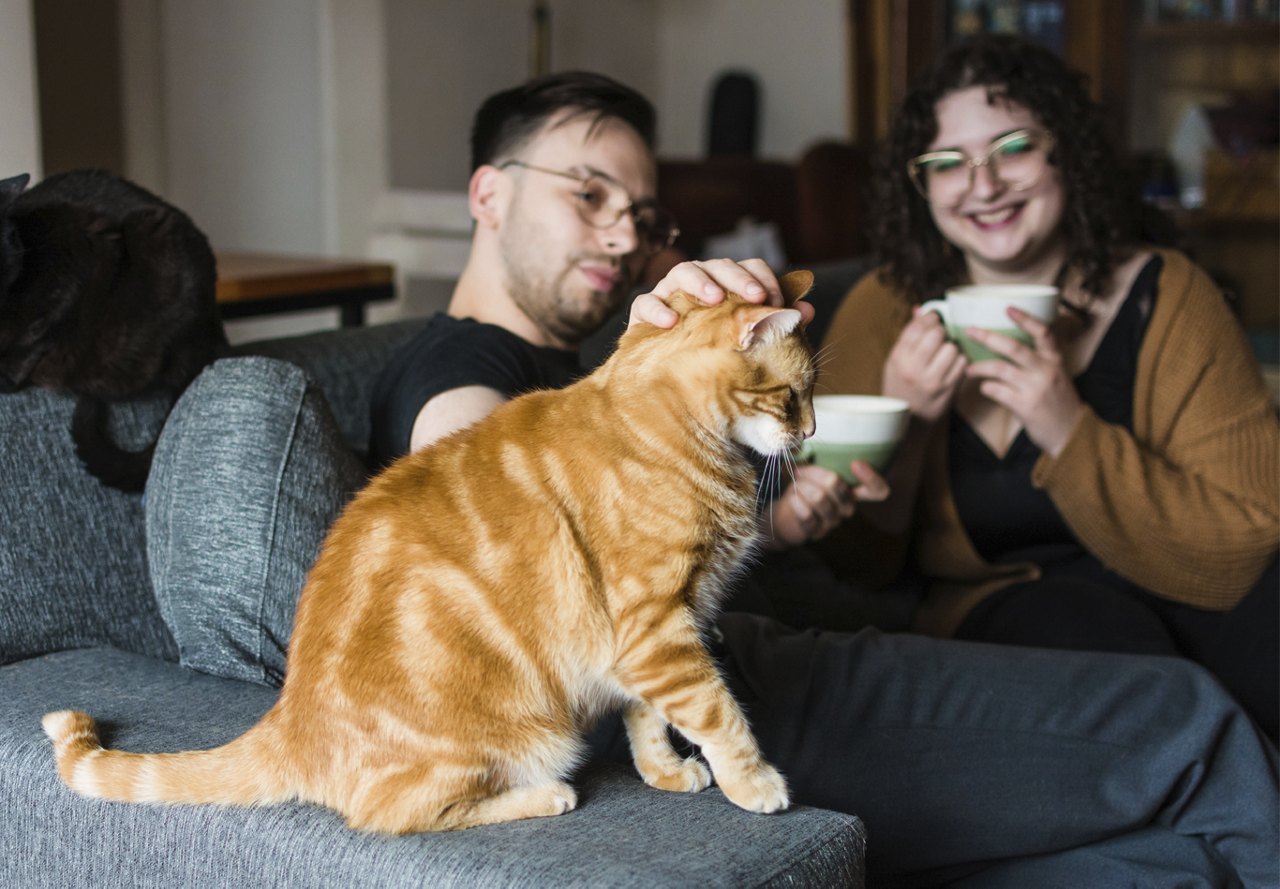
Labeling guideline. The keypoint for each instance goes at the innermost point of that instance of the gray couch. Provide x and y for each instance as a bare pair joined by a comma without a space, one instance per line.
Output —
162,616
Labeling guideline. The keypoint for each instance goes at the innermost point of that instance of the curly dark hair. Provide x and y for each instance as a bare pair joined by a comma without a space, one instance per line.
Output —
1103,215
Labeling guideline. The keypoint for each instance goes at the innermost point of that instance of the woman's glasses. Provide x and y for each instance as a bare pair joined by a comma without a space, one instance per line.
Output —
601,204
1018,159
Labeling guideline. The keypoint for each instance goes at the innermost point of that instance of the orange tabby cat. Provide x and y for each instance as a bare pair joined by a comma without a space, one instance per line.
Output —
484,599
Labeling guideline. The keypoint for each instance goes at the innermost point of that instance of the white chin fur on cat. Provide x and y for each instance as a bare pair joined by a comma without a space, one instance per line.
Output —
763,434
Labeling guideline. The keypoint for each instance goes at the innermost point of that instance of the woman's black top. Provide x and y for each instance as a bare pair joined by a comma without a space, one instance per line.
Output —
1006,517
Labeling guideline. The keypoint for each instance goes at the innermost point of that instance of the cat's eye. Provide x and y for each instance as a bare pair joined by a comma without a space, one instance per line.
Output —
793,404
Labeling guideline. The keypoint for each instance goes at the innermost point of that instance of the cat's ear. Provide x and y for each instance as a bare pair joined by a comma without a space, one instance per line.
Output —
12,187
795,285
765,324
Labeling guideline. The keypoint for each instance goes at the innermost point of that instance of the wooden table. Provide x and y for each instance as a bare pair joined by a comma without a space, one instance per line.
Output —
261,283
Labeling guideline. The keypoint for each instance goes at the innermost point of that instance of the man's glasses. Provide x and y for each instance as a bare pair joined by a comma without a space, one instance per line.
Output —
1019,160
602,203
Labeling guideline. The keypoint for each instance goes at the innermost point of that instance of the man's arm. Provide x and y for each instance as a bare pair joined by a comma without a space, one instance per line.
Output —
450,411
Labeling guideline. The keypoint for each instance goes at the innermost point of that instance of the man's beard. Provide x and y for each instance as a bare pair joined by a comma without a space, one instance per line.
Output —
560,310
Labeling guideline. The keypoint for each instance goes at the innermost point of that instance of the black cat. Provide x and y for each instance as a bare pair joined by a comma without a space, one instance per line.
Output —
107,293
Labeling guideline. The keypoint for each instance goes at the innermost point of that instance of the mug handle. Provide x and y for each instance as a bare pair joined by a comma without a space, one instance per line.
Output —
938,306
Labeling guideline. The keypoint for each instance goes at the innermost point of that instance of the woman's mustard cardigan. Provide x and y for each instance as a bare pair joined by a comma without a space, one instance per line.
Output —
1185,506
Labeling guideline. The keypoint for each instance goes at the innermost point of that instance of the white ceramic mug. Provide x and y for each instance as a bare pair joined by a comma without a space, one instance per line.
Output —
987,306
855,427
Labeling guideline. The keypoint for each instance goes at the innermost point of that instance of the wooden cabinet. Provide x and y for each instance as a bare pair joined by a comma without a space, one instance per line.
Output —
1231,68
890,42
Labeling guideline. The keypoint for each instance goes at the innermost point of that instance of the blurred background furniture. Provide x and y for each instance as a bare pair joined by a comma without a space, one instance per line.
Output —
816,202
263,283
735,112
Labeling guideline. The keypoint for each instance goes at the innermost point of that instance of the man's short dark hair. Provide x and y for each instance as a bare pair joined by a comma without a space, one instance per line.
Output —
509,118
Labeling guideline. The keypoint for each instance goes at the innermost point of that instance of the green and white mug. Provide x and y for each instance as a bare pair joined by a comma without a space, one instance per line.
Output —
987,306
854,427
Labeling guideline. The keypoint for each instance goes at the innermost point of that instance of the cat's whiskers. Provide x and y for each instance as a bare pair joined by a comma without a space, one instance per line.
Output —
779,468
823,355
820,363
763,484
767,489
789,462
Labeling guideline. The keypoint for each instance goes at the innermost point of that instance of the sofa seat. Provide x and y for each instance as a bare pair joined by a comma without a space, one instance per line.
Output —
622,834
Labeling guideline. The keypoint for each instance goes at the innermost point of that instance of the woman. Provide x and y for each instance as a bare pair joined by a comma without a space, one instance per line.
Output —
1112,487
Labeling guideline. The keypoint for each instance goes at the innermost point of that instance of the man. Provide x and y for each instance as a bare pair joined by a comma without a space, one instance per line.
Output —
554,252
996,766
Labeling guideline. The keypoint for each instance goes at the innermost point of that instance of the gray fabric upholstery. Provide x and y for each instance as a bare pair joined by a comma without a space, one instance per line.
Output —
74,575
73,569
248,474
623,834
345,364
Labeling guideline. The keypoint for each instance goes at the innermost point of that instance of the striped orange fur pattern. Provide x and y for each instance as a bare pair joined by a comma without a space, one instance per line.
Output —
483,600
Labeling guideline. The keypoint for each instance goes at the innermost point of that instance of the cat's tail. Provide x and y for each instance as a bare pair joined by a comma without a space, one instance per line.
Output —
238,773
102,457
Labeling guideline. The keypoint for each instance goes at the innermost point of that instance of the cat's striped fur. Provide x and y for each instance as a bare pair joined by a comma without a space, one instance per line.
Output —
484,599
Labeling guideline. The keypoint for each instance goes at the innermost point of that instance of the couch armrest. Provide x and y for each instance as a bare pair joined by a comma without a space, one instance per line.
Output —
73,560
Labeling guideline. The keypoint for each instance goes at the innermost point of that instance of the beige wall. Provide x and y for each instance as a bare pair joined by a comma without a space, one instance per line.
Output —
243,120
796,51
444,58
19,137
277,124
273,122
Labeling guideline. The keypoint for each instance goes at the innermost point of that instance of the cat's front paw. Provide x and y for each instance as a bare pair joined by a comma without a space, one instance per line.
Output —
561,798
682,776
759,788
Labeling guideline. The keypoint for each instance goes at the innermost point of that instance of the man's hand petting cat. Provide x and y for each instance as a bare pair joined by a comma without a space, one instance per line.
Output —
709,280
816,501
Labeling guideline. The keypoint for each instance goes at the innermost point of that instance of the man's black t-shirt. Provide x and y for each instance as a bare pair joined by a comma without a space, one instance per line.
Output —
449,353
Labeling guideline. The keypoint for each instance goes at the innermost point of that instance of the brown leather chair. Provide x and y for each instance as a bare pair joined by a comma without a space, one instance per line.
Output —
831,182
709,196
816,203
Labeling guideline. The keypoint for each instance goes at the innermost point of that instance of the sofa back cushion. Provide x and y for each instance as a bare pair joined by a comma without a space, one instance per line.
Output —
73,568
248,474
345,364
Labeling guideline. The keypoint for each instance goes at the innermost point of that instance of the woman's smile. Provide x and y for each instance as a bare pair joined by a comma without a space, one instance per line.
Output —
993,220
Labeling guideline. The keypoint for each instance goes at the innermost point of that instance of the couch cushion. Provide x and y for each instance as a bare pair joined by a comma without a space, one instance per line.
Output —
344,363
73,569
623,834
248,475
